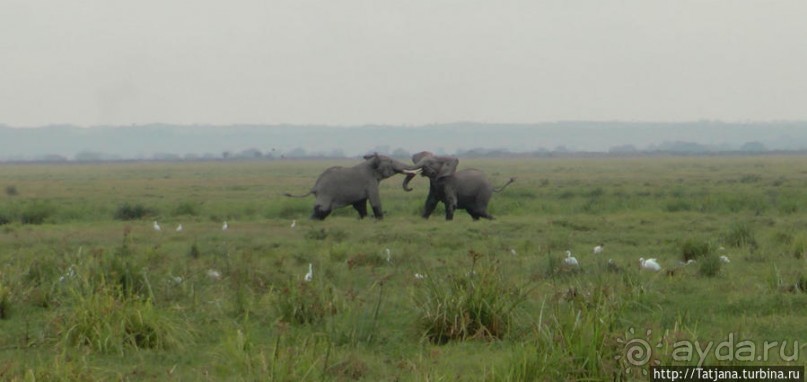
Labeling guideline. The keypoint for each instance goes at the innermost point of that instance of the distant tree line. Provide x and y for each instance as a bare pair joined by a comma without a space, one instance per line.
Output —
672,148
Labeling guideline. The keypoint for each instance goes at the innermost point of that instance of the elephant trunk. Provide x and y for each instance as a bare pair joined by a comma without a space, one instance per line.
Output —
407,180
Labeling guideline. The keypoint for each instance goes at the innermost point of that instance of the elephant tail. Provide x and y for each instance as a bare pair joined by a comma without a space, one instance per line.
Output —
500,189
298,196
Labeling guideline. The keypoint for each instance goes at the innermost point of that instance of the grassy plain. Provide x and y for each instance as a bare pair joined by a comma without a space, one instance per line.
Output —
86,296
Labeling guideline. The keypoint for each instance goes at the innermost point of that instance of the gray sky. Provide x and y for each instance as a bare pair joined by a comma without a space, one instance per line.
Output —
343,62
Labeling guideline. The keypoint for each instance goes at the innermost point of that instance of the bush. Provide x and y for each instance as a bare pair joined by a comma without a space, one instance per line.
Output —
186,209
709,266
104,322
478,305
740,235
128,211
692,249
12,190
304,303
36,213
5,298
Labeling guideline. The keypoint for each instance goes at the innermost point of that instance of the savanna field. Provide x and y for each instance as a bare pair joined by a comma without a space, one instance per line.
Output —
89,290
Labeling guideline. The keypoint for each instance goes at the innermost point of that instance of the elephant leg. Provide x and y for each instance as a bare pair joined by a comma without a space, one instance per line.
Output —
377,213
375,202
480,214
451,205
449,212
361,208
428,208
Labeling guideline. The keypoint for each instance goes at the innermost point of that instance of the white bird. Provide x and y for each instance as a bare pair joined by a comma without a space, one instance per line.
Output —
513,252
213,274
649,264
420,276
389,255
724,259
569,260
310,274
293,223
598,249
156,226
224,226
176,279
179,227
690,261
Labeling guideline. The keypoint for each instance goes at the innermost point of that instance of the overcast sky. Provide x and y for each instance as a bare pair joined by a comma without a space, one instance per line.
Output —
347,62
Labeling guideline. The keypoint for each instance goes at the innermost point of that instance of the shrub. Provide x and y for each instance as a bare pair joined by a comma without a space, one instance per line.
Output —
4,219
575,340
709,266
12,190
693,249
304,303
5,298
740,235
478,305
104,322
36,213
128,211
186,209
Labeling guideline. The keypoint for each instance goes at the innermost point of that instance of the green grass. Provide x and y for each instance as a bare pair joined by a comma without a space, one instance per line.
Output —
88,291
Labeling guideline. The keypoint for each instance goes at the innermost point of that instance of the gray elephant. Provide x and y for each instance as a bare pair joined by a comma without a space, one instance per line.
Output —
341,186
467,189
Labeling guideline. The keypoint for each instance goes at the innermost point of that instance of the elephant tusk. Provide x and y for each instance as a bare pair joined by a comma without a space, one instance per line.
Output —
412,172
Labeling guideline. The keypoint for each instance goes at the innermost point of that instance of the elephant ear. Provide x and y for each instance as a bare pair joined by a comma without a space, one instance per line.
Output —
416,158
373,158
449,168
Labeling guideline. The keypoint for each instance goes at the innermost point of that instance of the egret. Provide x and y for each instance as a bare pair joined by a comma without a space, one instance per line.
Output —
179,227
310,274
293,223
613,267
513,252
224,226
649,264
156,226
598,249
213,274
389,255
569,260
420,276
724,259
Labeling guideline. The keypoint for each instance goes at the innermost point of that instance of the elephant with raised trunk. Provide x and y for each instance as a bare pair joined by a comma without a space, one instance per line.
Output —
467,189
341,186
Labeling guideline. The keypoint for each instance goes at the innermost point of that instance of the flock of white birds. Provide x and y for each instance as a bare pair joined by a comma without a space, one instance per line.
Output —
570,261
651,265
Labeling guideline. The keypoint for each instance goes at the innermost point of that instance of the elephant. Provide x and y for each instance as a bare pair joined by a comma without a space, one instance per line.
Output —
467,189
341,186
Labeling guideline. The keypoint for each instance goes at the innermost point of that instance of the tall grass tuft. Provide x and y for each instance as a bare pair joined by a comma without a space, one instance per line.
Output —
478,305
105,321
740,235
694,249
574,340
305,302
186,209
128,211
5,301
36,213
709,266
